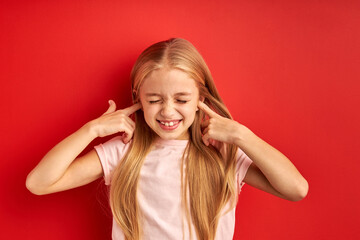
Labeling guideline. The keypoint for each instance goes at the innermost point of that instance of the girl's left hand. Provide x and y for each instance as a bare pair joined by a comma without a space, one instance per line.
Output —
218,128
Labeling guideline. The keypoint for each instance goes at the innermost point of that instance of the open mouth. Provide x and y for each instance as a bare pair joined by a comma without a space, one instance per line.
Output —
169,125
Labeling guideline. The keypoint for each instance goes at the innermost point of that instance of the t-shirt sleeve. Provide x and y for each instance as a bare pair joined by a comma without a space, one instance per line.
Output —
243,163
110,154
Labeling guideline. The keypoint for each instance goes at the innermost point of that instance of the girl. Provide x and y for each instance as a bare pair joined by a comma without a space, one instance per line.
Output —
176,171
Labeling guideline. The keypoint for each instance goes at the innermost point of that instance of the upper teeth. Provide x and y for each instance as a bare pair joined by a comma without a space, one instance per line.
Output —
168,123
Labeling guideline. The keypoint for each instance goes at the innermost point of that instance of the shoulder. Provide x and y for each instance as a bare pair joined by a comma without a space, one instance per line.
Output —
114,148
110,154
242,162
115,143
241,155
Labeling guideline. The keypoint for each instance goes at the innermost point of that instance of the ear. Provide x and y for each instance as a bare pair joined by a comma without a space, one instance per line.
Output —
139,101
202,99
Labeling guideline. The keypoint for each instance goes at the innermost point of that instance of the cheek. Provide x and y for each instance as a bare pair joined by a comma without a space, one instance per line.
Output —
194,106
149,112
190,111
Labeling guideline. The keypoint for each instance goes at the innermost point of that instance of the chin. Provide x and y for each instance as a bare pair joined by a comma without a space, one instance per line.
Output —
169,136
172,136
176,135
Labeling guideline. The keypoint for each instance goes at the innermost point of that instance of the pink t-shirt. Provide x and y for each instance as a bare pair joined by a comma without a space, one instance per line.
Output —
159,190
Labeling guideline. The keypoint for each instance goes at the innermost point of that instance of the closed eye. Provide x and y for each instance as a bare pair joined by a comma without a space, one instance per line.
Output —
179,101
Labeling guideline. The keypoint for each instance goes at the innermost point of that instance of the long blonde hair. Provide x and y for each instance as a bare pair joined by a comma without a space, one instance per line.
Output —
209,177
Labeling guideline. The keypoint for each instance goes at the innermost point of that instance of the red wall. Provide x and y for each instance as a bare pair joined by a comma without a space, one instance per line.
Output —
288,70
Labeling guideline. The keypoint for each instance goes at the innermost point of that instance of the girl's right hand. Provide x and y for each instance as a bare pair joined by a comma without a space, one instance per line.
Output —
113,121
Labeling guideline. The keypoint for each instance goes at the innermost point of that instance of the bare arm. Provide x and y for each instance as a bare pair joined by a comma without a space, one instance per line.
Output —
54,164
60,169
271,171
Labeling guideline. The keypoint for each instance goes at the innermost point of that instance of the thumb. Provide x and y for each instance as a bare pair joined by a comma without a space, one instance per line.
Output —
112,107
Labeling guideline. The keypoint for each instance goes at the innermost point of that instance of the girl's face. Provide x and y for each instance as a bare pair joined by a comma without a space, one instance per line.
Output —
169,99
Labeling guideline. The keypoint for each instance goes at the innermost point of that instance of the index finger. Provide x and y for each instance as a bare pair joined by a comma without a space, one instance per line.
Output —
206,109
130,110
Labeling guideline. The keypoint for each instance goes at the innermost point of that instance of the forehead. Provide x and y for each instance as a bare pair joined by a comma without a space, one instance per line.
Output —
168,82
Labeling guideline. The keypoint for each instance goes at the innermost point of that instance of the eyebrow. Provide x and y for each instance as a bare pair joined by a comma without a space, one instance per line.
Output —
176,94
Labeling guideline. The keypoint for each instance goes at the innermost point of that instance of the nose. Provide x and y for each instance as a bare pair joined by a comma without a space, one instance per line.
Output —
168,110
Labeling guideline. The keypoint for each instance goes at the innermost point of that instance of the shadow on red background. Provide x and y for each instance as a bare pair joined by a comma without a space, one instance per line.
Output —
287,70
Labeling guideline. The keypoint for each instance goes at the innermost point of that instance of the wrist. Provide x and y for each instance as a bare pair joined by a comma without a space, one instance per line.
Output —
243,135
92,129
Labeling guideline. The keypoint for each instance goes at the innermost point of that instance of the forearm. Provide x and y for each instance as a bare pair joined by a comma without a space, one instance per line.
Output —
276,167
55,163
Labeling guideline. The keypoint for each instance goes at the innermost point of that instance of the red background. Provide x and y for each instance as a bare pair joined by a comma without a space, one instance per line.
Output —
288,70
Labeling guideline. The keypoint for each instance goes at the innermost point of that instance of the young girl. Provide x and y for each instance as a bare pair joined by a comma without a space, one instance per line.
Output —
176,171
